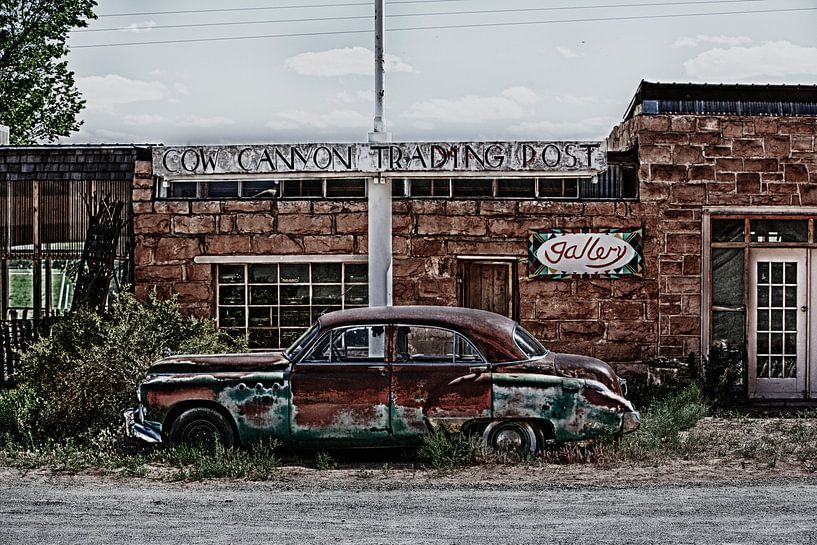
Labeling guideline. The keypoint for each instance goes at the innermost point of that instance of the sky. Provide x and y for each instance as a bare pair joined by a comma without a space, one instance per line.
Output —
511,70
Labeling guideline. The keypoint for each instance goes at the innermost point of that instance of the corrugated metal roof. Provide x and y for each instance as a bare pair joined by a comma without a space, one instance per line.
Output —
734,99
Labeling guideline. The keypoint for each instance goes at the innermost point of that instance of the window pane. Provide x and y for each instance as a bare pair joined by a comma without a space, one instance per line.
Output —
430,187
398,188
465,351
727,277
231,295
325,273
231,316
473,187
260,316
352,187
357,273
295,295
727,230
263,338
263,295
289,336
356,295
779,230
260,189
326,295
183,190
219,190
303,188
516,187
558,188
294,274
295,316
231,274
263,274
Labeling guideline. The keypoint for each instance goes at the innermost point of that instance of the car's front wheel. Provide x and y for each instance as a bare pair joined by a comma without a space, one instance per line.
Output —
511,436
202,427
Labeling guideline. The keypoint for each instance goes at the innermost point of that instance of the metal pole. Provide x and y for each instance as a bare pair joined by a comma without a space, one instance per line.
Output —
379,188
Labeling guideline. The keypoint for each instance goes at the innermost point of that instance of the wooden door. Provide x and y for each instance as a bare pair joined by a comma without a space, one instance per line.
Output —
487,285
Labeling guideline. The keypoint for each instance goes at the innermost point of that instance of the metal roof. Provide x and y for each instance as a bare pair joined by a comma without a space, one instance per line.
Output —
735,99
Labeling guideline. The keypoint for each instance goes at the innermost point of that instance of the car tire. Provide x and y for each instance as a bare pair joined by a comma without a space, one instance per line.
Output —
202,427
511,436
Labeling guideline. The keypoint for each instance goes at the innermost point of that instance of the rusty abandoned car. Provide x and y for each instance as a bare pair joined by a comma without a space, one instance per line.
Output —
386,376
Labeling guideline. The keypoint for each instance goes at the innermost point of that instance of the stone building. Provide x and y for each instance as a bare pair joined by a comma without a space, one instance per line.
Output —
712,189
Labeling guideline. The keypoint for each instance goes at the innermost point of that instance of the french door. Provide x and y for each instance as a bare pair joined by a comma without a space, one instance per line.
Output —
780,358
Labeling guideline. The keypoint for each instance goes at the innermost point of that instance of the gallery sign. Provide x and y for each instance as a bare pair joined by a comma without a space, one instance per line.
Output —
562,253
382,157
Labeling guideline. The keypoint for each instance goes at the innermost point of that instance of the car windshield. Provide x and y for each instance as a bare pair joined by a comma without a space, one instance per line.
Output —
302,341
528,343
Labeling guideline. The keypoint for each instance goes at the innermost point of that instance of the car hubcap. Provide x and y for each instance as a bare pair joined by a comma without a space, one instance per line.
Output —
509,439
202,433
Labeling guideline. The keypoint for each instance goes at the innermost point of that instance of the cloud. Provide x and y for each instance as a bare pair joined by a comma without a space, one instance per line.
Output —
694,41
337,119
568,53
145,26
771,59
512,103
348,61
103,93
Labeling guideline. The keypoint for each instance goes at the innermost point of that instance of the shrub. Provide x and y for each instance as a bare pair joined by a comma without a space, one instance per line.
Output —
663,421
722,376
87,371
19,410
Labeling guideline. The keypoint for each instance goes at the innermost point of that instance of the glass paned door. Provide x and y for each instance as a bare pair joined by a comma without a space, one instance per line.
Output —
778,321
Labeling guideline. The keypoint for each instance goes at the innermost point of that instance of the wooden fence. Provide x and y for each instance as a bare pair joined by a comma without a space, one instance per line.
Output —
15,337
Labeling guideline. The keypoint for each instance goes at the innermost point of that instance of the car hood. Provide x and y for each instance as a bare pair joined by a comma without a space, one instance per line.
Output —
570,365
220,363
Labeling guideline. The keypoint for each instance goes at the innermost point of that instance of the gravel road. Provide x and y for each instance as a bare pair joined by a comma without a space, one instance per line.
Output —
349,509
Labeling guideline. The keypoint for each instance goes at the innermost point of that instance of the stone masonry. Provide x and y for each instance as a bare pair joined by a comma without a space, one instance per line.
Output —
686,163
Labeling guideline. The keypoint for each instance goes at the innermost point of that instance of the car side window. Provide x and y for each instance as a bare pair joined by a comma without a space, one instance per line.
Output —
433,345
362,344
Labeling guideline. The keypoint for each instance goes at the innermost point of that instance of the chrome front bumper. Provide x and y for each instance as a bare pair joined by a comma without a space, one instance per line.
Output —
630,421
135,426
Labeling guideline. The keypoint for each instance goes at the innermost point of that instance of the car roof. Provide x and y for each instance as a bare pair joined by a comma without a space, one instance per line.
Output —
493,333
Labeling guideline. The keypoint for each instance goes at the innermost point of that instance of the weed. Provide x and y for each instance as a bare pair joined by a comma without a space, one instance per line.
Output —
258,463
442,451
324,461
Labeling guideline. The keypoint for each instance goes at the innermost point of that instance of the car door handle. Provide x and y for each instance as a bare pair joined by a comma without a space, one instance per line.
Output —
381,368
478,369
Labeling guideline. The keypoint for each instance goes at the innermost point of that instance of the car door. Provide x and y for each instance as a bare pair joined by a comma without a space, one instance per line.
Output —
438,377
340,390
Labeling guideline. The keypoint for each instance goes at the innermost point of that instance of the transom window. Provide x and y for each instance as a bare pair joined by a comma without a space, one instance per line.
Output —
617,182
275,303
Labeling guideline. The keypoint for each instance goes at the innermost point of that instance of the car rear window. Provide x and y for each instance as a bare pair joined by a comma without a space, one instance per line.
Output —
528,343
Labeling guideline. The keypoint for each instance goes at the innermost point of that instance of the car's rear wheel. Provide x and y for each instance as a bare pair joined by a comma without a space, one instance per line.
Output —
202,427
511,436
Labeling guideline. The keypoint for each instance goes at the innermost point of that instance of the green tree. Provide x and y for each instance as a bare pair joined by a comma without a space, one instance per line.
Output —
38,99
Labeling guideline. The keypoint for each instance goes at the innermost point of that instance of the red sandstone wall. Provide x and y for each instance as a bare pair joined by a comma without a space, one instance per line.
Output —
686,162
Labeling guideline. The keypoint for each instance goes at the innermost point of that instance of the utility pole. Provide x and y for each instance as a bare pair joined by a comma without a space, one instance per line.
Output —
379,187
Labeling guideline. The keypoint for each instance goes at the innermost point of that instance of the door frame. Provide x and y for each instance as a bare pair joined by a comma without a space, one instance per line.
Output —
513,277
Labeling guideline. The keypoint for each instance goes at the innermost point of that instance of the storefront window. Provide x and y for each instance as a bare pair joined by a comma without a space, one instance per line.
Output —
275,303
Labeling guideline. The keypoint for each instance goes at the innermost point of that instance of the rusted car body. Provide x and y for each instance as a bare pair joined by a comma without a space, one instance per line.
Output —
386,376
